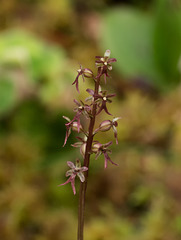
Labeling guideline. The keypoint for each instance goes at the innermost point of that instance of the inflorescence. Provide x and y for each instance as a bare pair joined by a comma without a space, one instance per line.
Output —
98,102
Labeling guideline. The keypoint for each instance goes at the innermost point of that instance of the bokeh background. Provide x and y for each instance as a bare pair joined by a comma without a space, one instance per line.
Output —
42,44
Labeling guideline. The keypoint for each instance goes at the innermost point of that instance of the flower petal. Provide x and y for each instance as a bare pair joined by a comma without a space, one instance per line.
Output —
83,149
109,68
117,118
77,144
108,144
115,133
68,180
69,173
66,118
71,164
78,164
107,158
111,60
90,91
73,185
83,169
77,103
105,108
68,132
76,82
111,95
81,176
107,53
98,154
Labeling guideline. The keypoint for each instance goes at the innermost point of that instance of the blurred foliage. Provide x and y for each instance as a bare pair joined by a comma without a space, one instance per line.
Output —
28,64
147,44
140,199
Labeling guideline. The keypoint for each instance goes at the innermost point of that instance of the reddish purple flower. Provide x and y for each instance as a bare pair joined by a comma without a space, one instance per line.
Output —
107,125
84,72
91,92
76,170
75,126
102,98
104,64
81,145
99,149
81,109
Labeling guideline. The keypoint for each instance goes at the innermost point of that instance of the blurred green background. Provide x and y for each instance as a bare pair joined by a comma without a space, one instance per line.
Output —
42,44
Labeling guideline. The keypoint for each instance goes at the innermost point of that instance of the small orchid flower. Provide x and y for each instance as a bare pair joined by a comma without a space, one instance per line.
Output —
73,126
107,125
91,92
84,72
104,64
76,170
99,149
81,109
103,97
81,144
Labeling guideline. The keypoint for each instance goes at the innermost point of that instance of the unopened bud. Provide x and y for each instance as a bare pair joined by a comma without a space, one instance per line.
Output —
88,73
82,149
105,126
95,147
107,53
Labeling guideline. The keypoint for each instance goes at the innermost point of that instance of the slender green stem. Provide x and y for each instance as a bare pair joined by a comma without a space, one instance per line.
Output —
83,185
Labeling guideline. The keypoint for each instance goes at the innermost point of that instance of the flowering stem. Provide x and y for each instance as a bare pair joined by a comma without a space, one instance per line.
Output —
99,100
83,186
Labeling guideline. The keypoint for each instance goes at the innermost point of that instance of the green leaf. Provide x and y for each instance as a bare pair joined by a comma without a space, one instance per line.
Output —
167,42
128,33
147,45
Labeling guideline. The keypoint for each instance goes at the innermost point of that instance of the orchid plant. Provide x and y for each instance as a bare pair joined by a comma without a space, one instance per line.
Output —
98,101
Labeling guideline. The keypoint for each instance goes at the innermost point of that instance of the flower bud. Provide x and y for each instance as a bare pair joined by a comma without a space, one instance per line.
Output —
88,73
82,149
107,53
105,126
95,147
